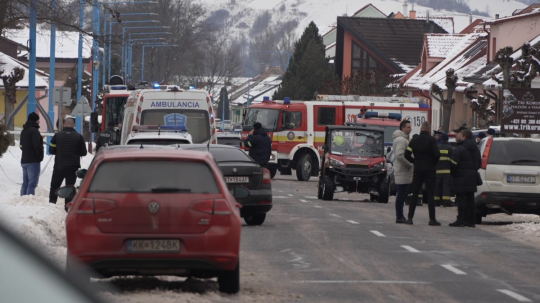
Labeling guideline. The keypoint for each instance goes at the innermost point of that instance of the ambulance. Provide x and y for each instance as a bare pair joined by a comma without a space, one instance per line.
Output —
297,128
186,109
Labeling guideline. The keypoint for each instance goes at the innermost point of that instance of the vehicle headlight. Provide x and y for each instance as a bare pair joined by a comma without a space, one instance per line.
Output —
272,157
379,166
335,163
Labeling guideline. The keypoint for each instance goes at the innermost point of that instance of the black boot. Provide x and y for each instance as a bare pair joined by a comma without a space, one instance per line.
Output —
458,223
409,222
434,223
401,220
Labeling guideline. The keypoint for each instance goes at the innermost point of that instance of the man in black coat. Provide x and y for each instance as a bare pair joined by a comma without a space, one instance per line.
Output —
68,146
444,177
426,156
109,136
466,161
31,145
260,145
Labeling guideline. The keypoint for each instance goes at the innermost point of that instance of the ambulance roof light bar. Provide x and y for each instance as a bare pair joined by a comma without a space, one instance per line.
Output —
369,115
159,128
286,100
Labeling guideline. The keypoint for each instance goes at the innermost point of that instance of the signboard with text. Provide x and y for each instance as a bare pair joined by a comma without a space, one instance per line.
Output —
520,110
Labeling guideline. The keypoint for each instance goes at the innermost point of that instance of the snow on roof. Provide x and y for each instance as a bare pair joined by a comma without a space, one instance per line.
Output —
459,58
445,22
265,88
533,13
67,43
331,45
439,45
7,64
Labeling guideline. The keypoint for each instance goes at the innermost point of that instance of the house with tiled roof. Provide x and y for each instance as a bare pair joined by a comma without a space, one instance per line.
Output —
464,54
372,43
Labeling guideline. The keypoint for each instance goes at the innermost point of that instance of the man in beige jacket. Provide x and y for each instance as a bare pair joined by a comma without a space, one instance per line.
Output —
403,169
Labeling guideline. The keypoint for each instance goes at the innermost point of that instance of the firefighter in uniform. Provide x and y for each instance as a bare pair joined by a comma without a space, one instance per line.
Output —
443,185
109,136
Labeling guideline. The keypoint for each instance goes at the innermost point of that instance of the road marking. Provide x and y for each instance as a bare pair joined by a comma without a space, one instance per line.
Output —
453,269
360,281
377,233
352,222
279,197
411,249
289,195
317,206
303,201
310,197
512,294
334,215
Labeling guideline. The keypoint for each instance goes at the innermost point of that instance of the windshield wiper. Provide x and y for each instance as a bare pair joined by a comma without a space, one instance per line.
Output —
523,160
170,190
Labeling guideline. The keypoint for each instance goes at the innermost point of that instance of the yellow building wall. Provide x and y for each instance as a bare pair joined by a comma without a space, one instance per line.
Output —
21,116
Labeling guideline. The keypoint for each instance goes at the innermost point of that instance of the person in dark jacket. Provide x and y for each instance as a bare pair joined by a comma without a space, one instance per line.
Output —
466,161
426,156
481,135
68,146
260,145
31,144
443,185
109,136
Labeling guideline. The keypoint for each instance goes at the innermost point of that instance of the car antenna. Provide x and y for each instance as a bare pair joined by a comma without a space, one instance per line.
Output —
208,145
159,130
141,146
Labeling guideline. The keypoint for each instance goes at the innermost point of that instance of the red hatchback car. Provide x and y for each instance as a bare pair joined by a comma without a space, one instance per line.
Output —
155,211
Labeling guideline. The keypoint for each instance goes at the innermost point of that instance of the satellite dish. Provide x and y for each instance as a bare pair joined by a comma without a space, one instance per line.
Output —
116,80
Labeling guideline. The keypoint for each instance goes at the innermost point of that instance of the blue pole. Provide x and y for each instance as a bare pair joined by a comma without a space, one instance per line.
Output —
32,68
223,113
96,57
80,67
104,54
52,70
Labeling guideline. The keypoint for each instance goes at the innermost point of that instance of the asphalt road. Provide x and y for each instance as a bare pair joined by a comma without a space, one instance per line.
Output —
351,250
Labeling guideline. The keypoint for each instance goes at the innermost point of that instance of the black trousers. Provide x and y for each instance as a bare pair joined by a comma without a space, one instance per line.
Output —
466,208
419,178
58,176
443,188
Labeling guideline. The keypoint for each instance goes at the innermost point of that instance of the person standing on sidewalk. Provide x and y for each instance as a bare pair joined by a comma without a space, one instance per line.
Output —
109,136
31,144
426,156
403,169
443,186
68,146
466,161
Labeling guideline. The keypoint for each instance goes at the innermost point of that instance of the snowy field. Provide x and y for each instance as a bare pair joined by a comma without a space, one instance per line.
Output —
42,224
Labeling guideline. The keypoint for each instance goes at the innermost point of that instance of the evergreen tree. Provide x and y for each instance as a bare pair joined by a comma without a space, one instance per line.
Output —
308,68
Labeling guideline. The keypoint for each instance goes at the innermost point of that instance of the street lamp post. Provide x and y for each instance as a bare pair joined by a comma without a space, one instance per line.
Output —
142,59
133,42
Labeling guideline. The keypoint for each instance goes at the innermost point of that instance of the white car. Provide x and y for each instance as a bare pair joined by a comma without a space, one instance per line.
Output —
511,177
151,135
229,139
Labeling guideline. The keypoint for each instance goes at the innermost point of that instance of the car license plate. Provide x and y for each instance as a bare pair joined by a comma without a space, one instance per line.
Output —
162,245
521,179
237,179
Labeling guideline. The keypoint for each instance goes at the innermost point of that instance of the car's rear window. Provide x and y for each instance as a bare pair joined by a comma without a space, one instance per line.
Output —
515,152
154,176
229,141
157,141
226,154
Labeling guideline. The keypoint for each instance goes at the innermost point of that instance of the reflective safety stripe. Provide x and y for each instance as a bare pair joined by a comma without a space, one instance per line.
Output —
20,145
445,159
453,162
52,145
443,171
249,143
437,198
409,149
446,197
444,152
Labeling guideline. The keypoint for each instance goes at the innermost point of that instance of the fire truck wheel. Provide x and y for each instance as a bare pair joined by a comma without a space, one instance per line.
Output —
273,171
328,189
383,191
303,168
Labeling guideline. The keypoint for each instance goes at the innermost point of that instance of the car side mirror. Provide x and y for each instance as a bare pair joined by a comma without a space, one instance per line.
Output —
240,192
81,173
66,192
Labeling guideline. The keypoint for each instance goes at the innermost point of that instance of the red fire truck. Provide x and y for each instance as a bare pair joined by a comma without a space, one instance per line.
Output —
297,128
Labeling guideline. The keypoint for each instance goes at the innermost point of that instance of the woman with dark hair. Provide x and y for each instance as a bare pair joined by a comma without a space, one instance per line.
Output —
465,161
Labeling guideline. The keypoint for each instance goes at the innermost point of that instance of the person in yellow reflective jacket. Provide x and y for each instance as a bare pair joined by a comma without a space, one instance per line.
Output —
443,185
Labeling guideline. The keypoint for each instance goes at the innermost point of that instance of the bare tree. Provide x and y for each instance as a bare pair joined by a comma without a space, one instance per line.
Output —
484,111
437,93
10,88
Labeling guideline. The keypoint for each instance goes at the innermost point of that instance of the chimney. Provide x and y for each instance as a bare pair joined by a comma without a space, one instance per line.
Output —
412,14
470,18
496,16
405,8
427,16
